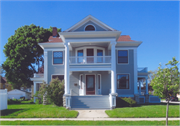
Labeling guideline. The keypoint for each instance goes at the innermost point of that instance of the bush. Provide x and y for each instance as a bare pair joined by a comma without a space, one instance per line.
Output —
125,102
13,101
22,98
55,92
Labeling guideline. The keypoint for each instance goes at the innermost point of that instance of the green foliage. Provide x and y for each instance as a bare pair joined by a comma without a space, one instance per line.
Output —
55,91
23,53
13,101
125,102
166,80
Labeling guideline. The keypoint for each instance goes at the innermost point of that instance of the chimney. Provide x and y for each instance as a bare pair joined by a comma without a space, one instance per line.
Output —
54,32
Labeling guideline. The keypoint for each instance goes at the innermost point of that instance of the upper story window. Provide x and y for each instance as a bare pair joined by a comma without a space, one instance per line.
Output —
58,57
90,28
122,56
60,77
122,81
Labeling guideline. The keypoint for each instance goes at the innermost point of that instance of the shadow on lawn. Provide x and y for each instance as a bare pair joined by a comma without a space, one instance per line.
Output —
12,112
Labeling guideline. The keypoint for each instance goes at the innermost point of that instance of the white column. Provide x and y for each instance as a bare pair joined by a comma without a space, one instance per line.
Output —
66,71
45,66
140,87
135,72
113,67
34,91
146,85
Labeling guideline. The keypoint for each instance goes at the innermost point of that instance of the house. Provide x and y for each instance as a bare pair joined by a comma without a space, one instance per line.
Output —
97,63
17,94
4,84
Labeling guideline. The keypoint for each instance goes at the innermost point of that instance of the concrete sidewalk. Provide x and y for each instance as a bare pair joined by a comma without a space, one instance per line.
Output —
88,119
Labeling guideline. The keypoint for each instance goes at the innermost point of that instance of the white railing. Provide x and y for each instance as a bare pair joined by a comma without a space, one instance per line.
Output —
89,59
36,75
142,69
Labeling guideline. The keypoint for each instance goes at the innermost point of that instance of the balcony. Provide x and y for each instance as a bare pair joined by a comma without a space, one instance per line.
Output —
74,60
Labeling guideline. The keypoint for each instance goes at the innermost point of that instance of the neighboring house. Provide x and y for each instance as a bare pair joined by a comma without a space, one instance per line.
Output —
16,94
97,63
26,89
4,84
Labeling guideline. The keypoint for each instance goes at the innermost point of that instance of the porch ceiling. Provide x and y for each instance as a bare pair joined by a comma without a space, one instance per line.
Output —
81,44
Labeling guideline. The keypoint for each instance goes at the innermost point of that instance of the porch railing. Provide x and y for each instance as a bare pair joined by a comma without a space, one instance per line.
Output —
36,75
89,59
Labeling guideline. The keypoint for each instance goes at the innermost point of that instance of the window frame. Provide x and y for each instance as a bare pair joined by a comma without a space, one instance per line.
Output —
126,80
87,25
53,58
127,56
56,75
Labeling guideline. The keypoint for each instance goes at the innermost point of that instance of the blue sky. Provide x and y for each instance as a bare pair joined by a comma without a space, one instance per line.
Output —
156,24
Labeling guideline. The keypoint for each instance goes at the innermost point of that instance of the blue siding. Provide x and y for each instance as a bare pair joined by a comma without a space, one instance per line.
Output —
54,69
98,28
129,69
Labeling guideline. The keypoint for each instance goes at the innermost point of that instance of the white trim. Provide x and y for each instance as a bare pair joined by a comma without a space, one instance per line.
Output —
100,84
117,57
129,81
85,20
86,84
89,24
135,71
90,69
103,40
46,66
52,49
53,58
125,48
56,44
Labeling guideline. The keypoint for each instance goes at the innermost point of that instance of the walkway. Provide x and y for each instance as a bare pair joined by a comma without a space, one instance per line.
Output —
89,119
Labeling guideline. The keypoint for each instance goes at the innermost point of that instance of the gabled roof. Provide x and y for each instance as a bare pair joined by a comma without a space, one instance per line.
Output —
87,19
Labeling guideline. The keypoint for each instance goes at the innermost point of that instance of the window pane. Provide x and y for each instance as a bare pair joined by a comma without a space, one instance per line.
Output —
58,57
60,77
99,52
90,28
123,81
80,52
80,56
122,56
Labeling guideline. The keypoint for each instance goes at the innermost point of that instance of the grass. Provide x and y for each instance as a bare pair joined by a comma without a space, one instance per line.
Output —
89,123
145,111
29,110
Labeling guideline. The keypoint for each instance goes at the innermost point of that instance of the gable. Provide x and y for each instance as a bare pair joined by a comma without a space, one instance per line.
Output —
97,27
100,26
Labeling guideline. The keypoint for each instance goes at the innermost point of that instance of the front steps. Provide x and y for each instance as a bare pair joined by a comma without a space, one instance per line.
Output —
90,102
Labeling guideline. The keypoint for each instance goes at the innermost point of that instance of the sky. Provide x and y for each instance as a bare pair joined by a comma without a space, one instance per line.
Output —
155,23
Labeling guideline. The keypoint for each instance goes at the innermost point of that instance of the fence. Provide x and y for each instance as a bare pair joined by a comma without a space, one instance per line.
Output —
3,99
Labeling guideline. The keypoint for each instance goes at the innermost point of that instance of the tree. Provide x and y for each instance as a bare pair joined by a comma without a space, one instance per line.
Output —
23,54
166,81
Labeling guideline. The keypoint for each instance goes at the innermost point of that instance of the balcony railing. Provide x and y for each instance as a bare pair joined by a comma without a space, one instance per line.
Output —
142,70
89,59
36,75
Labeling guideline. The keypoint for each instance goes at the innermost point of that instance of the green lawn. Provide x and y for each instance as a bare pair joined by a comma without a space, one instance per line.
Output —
27,110
89,123
144,111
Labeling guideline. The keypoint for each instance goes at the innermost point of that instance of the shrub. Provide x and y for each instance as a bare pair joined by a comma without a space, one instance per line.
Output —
55,92
125,102
13,101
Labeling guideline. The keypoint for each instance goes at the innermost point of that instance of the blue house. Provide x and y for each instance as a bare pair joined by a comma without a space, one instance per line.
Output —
97,63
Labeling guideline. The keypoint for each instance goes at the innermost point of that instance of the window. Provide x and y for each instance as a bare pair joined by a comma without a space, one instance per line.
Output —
89,28
100,56
81,81
60,77
80,56
122,81
99,82
122,56
58,57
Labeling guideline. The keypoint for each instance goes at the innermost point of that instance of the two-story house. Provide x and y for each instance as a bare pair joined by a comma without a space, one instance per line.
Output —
97,63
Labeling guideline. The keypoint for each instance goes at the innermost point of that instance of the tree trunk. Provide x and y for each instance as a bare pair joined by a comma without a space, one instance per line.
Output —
167,112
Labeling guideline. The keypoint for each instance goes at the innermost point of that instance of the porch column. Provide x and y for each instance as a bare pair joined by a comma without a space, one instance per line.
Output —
45,66
146,85
34,91
66,74
140,87
113,67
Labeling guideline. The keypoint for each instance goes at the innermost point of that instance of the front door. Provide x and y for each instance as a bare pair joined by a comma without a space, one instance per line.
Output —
90,84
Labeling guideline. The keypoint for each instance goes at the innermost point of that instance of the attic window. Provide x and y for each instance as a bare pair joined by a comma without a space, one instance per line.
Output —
90,28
